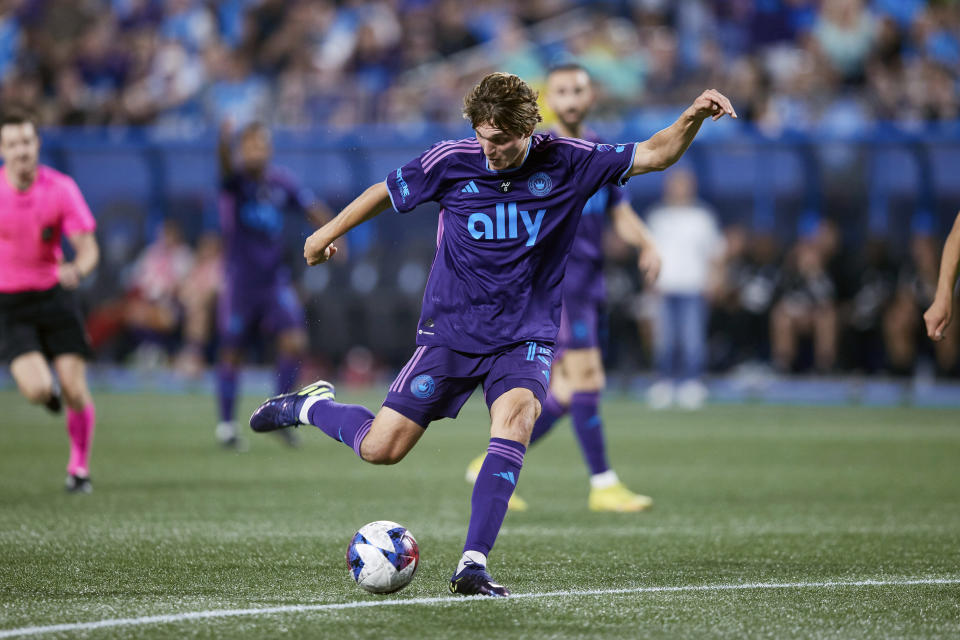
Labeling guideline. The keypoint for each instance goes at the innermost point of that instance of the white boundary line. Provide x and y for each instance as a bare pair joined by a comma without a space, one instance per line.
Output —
448,600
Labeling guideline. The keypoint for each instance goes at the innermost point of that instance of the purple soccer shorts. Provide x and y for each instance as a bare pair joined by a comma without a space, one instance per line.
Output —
438,381
579,324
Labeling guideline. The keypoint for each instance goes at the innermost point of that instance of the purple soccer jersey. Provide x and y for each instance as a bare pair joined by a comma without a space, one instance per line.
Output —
504,235
251,221
583,282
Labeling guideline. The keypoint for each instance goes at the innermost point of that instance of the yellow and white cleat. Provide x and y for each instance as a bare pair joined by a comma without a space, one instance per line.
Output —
619,499
473,472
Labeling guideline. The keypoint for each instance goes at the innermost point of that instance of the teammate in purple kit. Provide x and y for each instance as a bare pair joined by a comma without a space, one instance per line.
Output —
491,310
577,378
258,297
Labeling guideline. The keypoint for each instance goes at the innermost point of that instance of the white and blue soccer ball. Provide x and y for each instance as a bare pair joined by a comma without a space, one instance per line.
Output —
383,556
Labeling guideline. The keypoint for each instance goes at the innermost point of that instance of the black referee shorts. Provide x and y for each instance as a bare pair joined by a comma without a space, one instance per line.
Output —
46,321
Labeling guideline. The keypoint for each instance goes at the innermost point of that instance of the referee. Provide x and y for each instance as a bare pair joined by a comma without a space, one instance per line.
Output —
40,324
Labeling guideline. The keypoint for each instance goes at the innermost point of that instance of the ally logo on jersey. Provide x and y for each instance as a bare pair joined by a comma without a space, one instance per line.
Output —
506,223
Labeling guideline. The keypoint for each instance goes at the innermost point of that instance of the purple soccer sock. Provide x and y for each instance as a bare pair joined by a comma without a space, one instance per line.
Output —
348,423
287,370
491,492
226,392
585,411
551,411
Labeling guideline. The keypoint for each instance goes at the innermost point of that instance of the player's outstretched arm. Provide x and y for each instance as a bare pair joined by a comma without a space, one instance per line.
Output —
319,246
937,317
667,145
87,256
634,232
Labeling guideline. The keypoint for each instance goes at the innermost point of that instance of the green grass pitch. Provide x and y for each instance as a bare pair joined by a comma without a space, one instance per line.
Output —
763,517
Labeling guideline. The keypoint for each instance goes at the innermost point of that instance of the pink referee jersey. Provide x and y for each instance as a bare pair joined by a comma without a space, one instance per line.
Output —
32,223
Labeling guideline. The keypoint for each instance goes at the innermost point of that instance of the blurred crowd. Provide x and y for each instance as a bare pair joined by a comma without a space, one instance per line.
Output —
827,310
811,306
787,64
804,307
163,311
771,299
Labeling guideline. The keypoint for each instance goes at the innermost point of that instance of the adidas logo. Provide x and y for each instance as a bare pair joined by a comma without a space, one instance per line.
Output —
470,188
507,475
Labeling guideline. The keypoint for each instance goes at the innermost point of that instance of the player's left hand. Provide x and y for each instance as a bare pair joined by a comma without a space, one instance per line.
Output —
649,264
68,275
712,104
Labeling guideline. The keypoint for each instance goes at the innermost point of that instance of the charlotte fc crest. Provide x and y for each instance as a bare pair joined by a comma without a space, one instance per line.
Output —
540,184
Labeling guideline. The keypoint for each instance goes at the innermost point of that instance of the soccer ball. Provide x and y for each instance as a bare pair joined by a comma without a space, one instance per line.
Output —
382,557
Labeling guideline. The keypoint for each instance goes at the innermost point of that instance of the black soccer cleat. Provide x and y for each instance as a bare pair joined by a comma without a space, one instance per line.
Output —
283,411
78,484
474,580
54,403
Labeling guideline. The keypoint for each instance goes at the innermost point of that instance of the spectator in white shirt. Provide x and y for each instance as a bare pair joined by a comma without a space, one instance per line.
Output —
691,245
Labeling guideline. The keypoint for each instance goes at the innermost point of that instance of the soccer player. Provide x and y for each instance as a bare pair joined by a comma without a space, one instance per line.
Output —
937,318
258,297
577,377
491,310
39,320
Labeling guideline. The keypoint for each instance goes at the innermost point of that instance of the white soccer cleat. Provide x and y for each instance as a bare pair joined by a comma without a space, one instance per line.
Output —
691,395
228,437
660,395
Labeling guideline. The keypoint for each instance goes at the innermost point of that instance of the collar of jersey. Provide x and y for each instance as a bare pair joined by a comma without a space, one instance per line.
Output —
486,162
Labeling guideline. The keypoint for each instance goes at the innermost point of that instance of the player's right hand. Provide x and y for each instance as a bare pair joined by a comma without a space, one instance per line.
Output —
317,250
937,317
